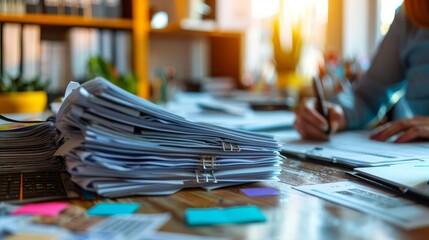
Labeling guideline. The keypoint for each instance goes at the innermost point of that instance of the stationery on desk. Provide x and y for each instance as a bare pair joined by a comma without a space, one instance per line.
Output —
355,149
251,121
389,207
212,106
203,108
407,179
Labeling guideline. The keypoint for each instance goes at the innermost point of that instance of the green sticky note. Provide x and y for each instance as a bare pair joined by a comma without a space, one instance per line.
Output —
107,209
215,216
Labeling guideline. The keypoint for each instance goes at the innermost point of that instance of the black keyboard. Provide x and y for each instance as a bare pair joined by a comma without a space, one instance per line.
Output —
31,185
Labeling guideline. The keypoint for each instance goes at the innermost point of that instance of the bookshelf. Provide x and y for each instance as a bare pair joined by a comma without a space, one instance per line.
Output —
136,20
225,49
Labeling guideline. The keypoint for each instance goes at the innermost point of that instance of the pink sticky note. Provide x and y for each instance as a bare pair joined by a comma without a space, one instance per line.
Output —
47,209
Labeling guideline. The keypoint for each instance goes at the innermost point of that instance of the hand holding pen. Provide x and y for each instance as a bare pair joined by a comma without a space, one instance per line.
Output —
317,118
321,104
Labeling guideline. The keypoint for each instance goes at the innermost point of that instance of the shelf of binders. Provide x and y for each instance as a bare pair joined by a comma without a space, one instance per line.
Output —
68,21
137,25
220,42
117,23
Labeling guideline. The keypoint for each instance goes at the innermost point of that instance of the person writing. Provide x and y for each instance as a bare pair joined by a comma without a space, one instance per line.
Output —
399,74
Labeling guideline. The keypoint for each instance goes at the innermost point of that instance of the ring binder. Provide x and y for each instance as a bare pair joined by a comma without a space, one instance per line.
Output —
208,162
227,146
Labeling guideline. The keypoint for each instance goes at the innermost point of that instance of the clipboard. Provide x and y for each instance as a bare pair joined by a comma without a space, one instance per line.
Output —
355,149
406,179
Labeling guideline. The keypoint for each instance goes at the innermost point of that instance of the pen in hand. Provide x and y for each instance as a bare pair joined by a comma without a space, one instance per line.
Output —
321,106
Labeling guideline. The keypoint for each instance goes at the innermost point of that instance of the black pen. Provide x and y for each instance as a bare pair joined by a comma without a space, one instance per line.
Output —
321,107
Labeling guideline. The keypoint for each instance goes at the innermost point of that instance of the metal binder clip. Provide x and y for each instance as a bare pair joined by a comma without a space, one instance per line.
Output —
227,146
208,162
205,177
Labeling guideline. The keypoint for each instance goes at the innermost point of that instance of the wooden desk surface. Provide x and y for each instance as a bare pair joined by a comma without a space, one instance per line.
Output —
291,215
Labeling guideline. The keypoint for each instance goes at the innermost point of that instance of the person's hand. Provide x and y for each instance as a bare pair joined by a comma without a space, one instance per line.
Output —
312,125
406,129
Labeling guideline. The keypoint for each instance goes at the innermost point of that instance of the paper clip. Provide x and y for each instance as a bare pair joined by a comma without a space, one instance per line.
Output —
208,162
205,177
227,146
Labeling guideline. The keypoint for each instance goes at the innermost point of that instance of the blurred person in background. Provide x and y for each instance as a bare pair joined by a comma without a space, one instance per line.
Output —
398,76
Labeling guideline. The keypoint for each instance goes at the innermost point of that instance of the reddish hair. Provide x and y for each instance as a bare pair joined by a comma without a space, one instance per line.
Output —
418,12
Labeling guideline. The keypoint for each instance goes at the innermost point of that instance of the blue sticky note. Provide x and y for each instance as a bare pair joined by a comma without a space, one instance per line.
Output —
107,209
215,216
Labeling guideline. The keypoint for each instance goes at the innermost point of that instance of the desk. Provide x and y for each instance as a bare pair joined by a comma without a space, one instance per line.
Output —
291,215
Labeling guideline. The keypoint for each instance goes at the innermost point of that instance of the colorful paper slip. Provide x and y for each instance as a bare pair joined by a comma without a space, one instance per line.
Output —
214,216
32,236
47,209
107,209
258,192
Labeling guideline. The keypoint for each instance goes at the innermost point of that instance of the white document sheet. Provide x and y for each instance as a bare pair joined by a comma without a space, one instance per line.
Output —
176,236
134,226
395,210
204,108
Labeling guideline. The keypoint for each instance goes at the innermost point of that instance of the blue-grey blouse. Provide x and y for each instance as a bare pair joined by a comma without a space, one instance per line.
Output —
400,69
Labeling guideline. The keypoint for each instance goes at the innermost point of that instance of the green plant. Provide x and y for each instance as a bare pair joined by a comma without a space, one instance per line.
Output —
18,84
98,67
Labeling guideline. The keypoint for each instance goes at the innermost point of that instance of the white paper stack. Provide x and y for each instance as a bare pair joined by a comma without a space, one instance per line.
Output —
119,144
28,147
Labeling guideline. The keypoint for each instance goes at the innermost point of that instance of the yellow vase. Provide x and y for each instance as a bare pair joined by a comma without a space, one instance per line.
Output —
289,84
23,102
289,80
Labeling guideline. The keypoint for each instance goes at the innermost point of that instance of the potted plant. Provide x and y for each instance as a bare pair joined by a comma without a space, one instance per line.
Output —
98,67
22,96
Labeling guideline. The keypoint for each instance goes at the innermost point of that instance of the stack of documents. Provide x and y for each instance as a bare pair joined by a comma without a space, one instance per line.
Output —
118,144
27,147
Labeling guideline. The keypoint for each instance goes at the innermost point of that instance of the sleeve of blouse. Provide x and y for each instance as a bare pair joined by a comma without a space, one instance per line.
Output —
373,93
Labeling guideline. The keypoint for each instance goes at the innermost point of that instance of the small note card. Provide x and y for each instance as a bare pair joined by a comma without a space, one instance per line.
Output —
47,209
259,192
32,236
108,209
214,216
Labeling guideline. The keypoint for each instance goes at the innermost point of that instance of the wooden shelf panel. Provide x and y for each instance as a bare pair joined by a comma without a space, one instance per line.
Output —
67,21
175,29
